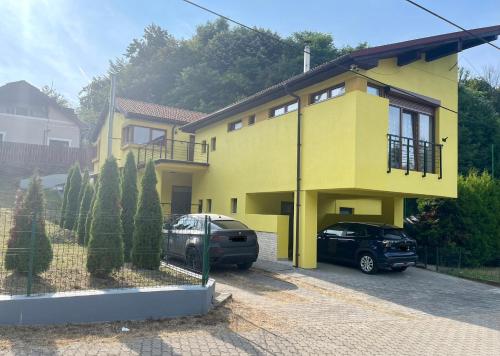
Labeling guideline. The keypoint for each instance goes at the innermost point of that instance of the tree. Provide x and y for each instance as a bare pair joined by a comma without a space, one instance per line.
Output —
65,197
105,247
129,203
70,216
146,248
83,186
85,205
88,219
29,217
54,94
218,65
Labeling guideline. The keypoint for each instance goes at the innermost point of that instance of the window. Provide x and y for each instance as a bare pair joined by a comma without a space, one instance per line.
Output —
204,146
355,230
346,211
233,126
22,111
140,135
234,205
59,142
213,143
200,206
2,137
209,205
228,225
412,139
283,109
327,94
374,90
251,120
333,231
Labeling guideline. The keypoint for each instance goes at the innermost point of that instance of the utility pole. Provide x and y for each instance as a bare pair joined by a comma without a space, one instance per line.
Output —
111,115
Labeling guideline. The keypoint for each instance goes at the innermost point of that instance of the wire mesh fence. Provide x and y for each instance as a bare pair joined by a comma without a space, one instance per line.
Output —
459,262
39,256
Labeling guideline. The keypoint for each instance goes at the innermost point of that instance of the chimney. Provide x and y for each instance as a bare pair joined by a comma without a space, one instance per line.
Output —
307,58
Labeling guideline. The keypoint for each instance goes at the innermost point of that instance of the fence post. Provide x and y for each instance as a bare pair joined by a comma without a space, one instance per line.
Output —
32,255
437,259
206,259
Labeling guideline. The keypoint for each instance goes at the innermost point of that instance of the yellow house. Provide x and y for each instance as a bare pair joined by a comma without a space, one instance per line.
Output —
347,140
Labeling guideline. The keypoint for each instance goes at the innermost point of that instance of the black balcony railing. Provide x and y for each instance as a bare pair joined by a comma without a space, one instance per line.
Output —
412,155
173,150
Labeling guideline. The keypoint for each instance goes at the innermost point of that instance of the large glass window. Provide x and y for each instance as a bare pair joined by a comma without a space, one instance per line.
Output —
142,135
283,109
327,93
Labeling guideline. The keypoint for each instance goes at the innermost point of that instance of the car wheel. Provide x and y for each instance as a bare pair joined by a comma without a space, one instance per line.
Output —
399,269
244,266
367,263
193,259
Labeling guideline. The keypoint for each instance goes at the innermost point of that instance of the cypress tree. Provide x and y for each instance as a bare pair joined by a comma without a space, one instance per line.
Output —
105,247
19,245
65,197
146,248
129,203
87,198
83,186
70,216
88,220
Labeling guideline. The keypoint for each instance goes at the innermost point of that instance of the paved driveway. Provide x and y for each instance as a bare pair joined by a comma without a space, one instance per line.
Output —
278,310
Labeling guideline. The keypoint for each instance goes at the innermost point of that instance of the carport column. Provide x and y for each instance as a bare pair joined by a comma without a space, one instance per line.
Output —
398,212
308,224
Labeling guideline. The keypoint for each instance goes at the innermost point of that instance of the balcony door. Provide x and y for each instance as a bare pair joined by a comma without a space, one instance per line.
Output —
181,200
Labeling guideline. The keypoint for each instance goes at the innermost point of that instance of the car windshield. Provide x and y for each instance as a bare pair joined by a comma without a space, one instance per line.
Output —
228,225
394,234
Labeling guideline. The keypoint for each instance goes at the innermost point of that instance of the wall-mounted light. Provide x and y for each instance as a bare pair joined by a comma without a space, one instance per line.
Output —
444,139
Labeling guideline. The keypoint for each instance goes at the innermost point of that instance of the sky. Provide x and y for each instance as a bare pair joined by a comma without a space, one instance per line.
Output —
64,43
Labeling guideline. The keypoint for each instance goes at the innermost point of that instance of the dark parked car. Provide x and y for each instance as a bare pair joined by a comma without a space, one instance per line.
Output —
231,242
368,245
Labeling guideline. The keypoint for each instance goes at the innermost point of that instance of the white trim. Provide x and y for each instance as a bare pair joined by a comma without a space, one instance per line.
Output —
59,139
8,116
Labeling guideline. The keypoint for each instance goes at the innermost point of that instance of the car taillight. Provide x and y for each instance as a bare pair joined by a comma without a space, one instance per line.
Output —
216,238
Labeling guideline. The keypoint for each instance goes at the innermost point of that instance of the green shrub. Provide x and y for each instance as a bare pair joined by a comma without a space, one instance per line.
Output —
146,248
87,198
129,203
72,203
88,219
105,247
20,245
65,197
83,186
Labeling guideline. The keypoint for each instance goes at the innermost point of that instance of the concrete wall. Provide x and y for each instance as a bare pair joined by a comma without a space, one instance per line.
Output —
107,305
37,130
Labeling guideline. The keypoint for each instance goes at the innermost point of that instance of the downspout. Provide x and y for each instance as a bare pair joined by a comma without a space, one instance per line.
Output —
298,174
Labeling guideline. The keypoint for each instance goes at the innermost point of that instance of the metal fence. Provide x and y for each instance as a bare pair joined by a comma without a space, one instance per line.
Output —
459,262
414,155
23,244
173,150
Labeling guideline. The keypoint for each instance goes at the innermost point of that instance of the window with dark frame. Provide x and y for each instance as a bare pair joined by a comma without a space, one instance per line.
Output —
141,135
251,120
58,143
326,94
236,125
374,90
412,139
284,109
204,146
213,142
346,211
209,205
234,205
200,206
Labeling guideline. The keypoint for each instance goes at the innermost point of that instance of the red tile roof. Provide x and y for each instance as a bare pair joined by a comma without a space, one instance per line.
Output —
149,110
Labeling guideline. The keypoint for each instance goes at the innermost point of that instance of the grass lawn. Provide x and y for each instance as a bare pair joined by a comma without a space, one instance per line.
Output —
68,268
486,274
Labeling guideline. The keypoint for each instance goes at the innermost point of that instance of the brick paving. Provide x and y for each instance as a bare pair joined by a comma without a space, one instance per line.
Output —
280,311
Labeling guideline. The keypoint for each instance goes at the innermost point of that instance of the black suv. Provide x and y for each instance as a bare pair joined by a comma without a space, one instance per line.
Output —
368,245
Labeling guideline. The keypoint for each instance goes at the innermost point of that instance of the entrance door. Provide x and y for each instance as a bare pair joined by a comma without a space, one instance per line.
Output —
181,200
287,209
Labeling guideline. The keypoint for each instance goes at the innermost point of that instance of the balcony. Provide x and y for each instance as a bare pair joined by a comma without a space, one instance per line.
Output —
173,151
411,155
